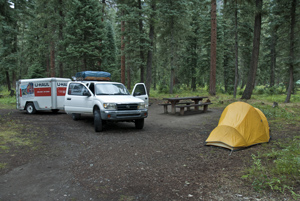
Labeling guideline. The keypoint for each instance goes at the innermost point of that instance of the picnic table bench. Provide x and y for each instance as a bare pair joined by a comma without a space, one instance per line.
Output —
205,107
167,104
175,103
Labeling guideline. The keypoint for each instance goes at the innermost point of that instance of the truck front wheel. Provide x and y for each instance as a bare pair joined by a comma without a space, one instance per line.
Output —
139,123
30,109
97,121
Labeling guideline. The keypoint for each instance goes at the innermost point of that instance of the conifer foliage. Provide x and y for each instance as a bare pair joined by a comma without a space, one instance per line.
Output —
85,34
167,44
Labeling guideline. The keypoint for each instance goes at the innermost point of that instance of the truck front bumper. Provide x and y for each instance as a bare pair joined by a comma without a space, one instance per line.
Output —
116,115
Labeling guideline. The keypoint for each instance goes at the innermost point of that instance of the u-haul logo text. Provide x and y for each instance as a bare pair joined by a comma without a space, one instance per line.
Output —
42,84
61,84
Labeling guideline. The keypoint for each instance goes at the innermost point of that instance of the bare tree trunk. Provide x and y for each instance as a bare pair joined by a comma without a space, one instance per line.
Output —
128,69
122,51
236,71
8,81
128,64
141,41
292,57
213,49
48,65
172,74
52,59
194,64
60,37
273,57
150,51
14,79
255,52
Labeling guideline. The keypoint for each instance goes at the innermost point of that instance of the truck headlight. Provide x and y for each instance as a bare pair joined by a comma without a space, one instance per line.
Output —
141,106
110,106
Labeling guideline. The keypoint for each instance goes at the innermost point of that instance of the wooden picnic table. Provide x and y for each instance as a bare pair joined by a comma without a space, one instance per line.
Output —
175,100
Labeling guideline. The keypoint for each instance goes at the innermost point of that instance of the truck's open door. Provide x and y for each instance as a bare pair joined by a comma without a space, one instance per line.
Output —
140,91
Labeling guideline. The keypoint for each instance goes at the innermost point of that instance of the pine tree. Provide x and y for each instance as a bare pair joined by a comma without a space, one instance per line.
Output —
84,35
292,50
173,31
8,40
255,52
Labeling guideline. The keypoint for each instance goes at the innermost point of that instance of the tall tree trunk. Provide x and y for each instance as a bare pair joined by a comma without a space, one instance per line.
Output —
14,79
60,36
15,47
122,51
255,52
128,63
172,74
150,51
52,58
128,69
194,64
141,41
292,57
8,81
48,65
213,49
236,51
273,57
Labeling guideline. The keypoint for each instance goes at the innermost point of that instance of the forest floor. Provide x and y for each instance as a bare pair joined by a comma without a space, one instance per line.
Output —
167,160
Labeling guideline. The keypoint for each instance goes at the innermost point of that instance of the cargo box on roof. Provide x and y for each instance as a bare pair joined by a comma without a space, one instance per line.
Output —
93,75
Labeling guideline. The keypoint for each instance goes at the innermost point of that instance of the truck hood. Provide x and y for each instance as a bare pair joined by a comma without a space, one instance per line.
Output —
119,99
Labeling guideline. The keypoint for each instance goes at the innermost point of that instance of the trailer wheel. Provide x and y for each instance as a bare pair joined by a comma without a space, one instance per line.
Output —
30,109
139,123
75,116
97,121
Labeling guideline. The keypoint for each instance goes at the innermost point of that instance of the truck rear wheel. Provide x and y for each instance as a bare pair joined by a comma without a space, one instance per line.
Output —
97,121
30,109
139,123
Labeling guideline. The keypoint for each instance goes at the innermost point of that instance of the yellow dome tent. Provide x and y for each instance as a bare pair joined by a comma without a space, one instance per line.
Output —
240,125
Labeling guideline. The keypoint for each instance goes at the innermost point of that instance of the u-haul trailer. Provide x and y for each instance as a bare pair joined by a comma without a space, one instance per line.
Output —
41,94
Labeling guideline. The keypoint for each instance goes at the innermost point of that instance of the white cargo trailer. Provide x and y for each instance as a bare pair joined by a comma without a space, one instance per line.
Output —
41,94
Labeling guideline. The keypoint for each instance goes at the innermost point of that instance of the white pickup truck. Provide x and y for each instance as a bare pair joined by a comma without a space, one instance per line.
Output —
107,101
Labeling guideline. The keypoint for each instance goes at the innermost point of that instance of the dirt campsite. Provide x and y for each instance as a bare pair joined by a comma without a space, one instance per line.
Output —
166,160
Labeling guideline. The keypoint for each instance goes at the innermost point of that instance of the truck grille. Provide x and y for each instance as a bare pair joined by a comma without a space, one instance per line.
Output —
127,106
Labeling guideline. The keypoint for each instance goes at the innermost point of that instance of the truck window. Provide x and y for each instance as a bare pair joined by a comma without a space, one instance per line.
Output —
76,89
140,89
111,89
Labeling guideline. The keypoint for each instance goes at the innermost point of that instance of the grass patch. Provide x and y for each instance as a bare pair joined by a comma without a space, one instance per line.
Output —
6,101
17,138
3,165
14,134
277,168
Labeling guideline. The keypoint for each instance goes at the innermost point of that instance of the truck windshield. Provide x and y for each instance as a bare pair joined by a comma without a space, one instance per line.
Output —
111,89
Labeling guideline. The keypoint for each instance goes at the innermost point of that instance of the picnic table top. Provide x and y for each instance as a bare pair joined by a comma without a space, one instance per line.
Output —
185,98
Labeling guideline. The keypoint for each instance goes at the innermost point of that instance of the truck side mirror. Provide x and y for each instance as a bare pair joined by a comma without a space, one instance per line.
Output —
86,93
137,94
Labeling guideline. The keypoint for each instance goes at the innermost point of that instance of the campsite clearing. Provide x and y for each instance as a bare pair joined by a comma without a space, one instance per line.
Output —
165,160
